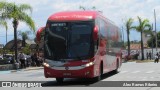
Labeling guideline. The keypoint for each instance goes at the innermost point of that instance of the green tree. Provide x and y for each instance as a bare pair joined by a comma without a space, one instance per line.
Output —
4,24
128,28
24,36
153,40
93,8
26,50
16,13
84,8
143,27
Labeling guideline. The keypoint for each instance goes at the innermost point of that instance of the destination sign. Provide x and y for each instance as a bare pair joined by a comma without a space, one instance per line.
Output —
58,24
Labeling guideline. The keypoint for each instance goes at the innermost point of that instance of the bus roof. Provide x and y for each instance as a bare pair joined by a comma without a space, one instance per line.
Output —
73,15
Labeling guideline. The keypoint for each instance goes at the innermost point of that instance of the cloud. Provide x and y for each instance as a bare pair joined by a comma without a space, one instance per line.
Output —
115,10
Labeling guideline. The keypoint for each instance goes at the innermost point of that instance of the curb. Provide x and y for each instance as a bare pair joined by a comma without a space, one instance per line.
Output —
5,72
6,67
37,68
27,69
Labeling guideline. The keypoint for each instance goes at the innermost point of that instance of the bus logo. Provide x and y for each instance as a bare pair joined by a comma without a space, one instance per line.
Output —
67,68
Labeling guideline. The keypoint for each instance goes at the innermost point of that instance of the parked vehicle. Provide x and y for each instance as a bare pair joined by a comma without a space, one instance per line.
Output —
1,57
9,58
133,55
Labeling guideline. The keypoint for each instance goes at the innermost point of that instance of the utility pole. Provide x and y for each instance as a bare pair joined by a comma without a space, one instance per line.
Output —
155,28
152,40
123,35
123,31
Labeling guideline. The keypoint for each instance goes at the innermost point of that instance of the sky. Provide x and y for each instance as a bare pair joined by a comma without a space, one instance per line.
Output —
117,11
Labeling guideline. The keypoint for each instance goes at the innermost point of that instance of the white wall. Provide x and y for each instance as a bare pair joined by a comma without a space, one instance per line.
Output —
145,51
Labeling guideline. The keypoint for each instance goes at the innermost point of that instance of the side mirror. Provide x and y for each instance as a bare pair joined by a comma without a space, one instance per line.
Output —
95,33
38,35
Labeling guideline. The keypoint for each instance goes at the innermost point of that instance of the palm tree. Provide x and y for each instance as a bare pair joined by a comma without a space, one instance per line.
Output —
16,13
24,36
143,27
4,24
93,8
128,28
83,8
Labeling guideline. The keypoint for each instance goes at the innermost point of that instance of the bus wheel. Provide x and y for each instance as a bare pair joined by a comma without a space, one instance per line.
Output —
98,78
59,80
117,67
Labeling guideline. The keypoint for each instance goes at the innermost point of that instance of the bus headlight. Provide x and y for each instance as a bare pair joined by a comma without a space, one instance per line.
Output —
89,64
46,64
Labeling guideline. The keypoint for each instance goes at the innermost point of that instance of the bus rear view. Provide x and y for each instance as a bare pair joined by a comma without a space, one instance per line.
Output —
72,46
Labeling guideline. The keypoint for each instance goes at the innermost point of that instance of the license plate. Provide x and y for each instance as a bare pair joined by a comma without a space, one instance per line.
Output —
66,74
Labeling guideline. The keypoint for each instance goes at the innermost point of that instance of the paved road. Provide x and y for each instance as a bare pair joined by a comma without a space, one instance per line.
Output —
137,72
130,71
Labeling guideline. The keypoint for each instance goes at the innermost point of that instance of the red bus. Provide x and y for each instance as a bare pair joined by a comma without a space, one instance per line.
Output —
81,44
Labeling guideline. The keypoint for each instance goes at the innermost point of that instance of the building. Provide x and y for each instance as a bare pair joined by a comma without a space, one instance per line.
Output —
146,37
1,46
10,45
137,46
1,49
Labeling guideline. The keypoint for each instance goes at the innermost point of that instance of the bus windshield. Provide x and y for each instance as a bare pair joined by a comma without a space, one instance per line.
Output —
68,40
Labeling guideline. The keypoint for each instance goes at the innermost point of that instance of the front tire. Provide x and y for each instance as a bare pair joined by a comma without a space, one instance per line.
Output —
59,80
117,67
98,78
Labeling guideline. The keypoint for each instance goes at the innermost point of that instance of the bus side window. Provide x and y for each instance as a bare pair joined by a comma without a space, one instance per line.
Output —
96,44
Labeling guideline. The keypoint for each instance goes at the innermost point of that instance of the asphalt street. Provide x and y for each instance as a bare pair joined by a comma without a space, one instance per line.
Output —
130,71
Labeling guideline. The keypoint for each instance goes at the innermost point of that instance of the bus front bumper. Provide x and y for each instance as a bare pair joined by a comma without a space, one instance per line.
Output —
69,72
